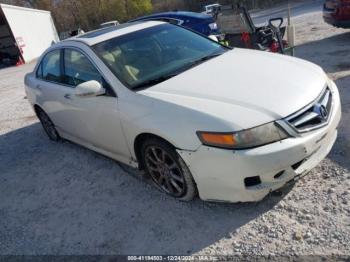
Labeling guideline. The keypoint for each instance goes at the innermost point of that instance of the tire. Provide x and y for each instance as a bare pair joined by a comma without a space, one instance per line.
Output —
168,171
48,126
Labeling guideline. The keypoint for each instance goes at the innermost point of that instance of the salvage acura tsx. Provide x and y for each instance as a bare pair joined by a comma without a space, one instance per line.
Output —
230,124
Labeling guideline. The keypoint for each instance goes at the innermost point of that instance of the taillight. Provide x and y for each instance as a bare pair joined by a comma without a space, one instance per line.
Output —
342,10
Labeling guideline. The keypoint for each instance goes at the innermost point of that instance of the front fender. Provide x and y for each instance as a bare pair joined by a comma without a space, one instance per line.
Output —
176,124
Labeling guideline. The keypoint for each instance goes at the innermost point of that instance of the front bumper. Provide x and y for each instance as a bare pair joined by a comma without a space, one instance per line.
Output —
220,174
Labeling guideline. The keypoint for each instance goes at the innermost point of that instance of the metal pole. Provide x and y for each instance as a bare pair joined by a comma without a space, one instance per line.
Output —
290,31
289,13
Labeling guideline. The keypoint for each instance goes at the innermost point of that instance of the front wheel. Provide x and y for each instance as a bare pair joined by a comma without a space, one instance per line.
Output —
167,170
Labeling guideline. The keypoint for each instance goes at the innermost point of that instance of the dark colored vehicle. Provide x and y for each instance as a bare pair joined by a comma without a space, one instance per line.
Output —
201,23
337,13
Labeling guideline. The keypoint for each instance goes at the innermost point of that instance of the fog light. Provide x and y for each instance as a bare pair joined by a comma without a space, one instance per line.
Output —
252,181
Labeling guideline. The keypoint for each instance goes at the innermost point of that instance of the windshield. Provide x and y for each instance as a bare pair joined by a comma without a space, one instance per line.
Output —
150,56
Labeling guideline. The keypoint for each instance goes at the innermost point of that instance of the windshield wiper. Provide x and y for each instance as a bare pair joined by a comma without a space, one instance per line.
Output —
200,61
153,82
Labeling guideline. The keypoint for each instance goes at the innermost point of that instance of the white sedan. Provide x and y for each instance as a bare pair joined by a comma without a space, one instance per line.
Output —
228,124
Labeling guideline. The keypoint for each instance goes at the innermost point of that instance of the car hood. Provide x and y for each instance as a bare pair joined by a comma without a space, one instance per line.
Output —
245,87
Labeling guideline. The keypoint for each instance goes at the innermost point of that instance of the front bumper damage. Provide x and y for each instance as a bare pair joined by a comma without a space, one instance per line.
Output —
250,175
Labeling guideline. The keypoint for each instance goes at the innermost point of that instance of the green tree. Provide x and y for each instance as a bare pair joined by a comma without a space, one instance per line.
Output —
135,8
87,14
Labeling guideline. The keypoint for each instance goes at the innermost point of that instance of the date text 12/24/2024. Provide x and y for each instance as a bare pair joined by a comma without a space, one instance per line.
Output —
172,258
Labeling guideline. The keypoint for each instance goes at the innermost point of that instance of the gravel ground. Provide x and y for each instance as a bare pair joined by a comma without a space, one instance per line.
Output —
59,198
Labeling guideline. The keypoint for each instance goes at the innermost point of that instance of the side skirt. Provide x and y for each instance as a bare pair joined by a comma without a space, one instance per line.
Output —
119,158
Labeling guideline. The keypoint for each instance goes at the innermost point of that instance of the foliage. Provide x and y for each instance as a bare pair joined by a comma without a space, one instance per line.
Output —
87,14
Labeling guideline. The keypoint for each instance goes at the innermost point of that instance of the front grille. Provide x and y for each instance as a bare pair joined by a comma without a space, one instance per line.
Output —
313,116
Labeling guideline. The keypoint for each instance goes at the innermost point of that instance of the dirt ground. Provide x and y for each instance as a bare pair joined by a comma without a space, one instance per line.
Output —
59,198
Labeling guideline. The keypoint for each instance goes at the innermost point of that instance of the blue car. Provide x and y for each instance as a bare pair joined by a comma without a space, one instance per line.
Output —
201,23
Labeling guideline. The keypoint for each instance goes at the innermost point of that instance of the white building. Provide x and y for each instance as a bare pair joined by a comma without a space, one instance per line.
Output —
24,34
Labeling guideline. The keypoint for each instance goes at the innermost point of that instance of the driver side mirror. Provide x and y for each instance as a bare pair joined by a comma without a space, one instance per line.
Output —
89,89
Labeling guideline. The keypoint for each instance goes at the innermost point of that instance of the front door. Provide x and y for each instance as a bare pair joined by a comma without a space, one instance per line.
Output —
92,120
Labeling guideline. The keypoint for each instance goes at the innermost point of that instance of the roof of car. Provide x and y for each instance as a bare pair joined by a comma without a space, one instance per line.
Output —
103,34
110,22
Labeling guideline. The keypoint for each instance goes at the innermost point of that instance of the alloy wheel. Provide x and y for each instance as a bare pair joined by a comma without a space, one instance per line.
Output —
165,171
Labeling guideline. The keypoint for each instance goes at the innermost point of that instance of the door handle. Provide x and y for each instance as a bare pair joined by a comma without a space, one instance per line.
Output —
67,96
38,87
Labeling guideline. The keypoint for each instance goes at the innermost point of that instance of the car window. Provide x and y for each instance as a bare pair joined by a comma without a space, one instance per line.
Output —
49,68
78,69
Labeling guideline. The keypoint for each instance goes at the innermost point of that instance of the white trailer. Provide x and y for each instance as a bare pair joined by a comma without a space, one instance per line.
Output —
25,33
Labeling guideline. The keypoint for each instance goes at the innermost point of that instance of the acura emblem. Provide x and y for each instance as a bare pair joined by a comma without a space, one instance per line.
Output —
321,111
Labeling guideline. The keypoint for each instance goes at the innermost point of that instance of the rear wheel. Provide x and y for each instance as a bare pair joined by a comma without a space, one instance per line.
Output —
48,125
167,170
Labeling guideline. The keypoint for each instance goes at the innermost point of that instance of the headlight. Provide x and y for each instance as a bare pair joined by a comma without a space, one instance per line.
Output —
244,139
213,26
